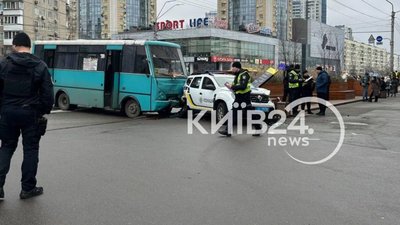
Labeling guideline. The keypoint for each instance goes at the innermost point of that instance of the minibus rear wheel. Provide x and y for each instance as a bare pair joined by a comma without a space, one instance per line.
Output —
63,101
132,108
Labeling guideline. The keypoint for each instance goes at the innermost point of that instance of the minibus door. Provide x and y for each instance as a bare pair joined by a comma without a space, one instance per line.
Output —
111,79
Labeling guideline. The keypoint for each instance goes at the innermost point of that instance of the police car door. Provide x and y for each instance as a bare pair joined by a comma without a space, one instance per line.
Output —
194,93
207,92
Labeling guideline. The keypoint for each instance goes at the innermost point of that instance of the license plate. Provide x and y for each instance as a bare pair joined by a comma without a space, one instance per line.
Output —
264,109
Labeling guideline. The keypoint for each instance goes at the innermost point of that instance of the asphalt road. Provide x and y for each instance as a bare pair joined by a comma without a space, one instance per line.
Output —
101,168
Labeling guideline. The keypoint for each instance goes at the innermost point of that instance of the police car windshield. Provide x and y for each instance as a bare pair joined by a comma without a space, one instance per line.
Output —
221,80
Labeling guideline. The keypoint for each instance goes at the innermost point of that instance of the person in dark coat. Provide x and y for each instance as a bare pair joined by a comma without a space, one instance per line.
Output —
307,90
26,95
322,86
375,85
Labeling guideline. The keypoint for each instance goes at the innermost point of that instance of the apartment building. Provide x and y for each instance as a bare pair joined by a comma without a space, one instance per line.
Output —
310,9
273,15
40,19
361,57
100,19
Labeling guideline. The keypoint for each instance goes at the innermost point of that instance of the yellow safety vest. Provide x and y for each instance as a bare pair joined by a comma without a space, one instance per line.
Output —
248,88
296,77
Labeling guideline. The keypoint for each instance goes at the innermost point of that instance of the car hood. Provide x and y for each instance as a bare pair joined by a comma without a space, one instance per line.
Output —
260,91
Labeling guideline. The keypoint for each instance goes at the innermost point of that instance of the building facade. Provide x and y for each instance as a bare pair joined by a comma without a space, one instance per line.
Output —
310,9
100,19
323,45
72,19
361,57
273,15
215,49
41,20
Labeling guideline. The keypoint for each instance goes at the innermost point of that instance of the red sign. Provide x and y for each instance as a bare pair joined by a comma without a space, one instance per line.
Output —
221,59
170,25
221,24
265,61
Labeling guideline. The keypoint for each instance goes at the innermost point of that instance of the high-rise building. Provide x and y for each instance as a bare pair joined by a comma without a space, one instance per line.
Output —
90,19
310,9
72,19
102,18
348,32
41,20
275,15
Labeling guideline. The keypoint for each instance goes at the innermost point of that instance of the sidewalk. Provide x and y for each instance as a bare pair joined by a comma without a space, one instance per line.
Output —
340,102
315,106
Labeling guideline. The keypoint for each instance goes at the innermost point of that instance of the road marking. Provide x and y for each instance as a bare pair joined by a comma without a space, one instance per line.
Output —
59,111
352,123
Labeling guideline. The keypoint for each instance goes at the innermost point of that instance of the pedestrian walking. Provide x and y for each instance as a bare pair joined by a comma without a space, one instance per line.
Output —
365,85
388,86
307,90
322,86
26,95
394,86
375,86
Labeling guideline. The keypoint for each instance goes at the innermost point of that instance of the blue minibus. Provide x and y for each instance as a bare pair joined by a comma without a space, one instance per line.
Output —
128,75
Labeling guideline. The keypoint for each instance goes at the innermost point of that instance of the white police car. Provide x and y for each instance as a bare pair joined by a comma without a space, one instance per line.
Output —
208,92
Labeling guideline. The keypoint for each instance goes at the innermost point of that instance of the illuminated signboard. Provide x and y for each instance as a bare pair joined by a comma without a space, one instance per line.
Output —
179,24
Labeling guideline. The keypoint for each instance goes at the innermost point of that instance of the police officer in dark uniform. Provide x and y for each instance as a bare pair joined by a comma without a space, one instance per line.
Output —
26,93
241,86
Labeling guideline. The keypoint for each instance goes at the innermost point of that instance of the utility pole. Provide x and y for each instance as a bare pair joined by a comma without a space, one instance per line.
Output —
393,16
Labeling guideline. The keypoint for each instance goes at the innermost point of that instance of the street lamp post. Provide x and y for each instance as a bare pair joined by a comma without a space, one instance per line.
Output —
393,14
160,14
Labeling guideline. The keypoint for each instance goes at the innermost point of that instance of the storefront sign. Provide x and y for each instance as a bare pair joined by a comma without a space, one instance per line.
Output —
179,24
221,59
198,22
188,59
221,24
170,25
201,59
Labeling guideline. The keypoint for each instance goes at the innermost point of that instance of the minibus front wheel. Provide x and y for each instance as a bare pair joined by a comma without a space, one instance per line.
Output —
132,108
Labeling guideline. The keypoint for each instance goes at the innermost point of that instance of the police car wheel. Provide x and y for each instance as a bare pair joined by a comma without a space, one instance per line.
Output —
63,101
132,108
221,111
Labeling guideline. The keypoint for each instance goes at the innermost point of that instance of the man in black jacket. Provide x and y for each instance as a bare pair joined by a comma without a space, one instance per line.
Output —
241,86
26,93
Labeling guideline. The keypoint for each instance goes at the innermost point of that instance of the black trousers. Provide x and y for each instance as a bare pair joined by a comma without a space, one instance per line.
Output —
373,94
306,94
15,121
243,100
294,94
322,107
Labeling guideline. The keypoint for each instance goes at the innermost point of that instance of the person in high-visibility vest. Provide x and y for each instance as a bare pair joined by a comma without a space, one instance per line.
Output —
295,82
241,86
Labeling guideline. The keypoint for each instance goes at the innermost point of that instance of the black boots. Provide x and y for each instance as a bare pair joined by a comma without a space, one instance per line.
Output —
32,193
1,193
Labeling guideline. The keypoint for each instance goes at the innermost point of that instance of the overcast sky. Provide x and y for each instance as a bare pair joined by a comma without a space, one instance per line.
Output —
373,15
